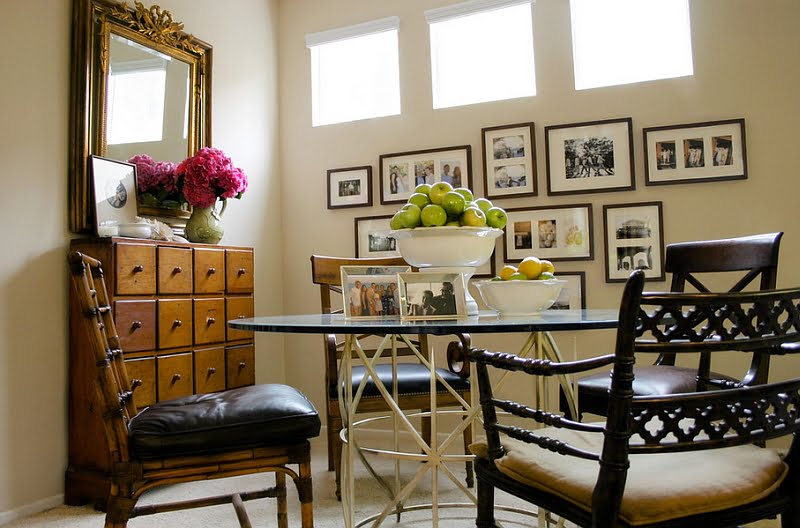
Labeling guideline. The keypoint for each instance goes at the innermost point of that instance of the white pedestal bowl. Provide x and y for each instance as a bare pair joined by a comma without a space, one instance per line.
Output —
518,298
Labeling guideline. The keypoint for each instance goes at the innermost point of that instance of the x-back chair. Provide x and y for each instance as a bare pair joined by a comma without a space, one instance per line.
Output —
254,429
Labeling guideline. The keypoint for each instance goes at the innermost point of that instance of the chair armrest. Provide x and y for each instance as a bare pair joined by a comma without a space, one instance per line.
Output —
457,360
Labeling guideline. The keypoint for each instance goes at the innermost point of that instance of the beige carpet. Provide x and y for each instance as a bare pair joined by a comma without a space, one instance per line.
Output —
327,511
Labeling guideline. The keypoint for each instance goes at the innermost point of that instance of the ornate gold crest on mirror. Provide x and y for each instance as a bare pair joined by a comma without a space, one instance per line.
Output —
141,92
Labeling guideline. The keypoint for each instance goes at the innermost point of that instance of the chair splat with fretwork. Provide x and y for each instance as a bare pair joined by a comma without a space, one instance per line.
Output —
253,429
752,260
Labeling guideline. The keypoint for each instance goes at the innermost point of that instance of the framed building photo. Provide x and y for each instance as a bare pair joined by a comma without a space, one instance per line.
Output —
634,239
114,184
553,233
350,187
372,237
509,161
697,152
431,295
573,294
400,173
590,157
370,292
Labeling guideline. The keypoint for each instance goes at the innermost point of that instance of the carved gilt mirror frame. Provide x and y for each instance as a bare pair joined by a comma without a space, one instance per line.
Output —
150,30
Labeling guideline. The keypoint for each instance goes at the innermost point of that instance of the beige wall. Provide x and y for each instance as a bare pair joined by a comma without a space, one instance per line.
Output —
34,102
744,67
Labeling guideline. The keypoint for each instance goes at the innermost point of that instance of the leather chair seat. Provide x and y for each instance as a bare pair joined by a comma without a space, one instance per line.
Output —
649,380
243,418
412,378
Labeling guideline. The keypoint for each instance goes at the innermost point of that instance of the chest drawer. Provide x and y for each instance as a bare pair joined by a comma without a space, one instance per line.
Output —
238,271
209,370
174,323
175,376
142,374
209,320
240,366
238,308
209,270
135,269
136,325
174,270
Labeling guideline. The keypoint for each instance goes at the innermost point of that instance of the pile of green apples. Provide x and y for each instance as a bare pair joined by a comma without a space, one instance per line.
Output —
442,205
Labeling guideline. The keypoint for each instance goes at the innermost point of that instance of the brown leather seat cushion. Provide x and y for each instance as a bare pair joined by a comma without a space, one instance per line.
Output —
649,380
412,378
243,418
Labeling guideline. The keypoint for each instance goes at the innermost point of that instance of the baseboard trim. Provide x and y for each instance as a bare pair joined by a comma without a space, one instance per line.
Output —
29,509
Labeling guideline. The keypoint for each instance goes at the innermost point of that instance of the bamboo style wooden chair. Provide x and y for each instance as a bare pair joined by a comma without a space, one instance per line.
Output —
253,429
413,379
680,460
752,260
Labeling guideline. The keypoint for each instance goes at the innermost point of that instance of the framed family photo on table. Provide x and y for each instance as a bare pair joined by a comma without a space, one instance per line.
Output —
634,239
590,157
552,233
350,187
372,238
370,292
430,295
509,161
401,172
697,152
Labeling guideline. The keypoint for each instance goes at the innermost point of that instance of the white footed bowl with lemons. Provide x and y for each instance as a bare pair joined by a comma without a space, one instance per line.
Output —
526,290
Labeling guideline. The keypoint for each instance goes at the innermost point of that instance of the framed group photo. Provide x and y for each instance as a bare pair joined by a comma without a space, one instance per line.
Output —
372,238
634,239
553,233
114,184
573,294
432,295
509,161
590,157
401,172
350,187
370,292
697,152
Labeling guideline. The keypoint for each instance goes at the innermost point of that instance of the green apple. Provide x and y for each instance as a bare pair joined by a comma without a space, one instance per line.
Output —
454,203
545,275
396,222
419,199
423,188
433,215
496,217
438,190
410,215
483,204
518,276
466,193
453,223
496,278
473,217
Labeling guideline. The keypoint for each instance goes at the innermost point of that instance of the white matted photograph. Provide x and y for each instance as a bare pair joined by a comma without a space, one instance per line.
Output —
431,295
401,172
370,292
634,239
573,294
114,191
372,237
552,233
509,161
350,187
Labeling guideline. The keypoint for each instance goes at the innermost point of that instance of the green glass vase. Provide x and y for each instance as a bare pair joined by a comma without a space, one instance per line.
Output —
205,225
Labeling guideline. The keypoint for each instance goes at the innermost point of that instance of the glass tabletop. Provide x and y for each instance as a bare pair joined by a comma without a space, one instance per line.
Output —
484,322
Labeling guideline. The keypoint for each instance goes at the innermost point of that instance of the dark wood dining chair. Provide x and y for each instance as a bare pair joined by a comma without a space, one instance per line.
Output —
413,378
680,460
253,429
751,260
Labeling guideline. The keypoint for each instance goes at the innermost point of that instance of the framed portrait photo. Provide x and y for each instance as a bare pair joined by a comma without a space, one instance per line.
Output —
509,161
596,156
114,184
401,172
634,239
431,295
370,292
553,233
350,187
372,237
573,294
694,153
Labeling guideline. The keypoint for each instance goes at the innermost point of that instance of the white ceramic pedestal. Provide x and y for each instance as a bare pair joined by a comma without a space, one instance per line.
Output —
466,272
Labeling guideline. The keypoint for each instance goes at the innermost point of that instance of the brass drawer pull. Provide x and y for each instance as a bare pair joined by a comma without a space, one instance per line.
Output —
177,270
138,268
241,316
176,323
176,377
210,320
136,383
242,271
136,325
242,365
211,271
211,370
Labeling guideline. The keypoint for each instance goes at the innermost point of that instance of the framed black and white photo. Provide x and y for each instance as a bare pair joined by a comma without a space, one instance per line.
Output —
401,172
509,161
372,237
350,187
696,152
590,157
114,184
432,295
634,239
573,294
553,233
370,292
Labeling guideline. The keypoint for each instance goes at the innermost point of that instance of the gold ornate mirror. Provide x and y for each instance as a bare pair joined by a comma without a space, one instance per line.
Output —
140,85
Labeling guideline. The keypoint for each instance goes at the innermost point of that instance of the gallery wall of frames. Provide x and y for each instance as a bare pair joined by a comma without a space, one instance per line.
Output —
582,158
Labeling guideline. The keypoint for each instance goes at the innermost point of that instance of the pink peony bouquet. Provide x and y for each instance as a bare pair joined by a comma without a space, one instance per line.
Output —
157,182
209,175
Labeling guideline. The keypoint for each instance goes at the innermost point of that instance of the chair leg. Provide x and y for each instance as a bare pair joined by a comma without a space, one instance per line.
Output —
335,452
283,511
118,510
485,517
467,440
305,493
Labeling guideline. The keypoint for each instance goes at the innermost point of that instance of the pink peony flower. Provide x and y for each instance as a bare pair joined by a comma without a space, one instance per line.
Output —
209,175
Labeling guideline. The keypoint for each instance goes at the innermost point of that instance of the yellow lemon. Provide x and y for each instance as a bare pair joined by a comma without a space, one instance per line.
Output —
548,266
507,271
531,267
